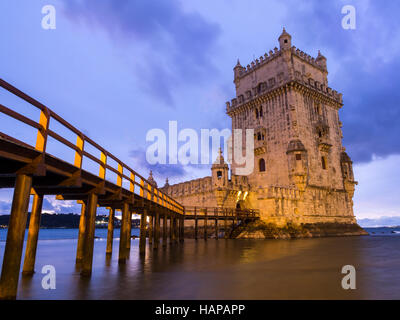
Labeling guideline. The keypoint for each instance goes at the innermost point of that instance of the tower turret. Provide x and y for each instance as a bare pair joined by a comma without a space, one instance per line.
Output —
220,171
285,40
298,164
237,71
347,173
151,180
321,61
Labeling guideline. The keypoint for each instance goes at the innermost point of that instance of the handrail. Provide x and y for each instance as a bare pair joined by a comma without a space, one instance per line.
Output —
223,212
146,189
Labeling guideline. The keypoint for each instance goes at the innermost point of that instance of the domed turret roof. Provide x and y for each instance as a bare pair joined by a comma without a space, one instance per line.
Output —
151,180
284,33
220,161
320,56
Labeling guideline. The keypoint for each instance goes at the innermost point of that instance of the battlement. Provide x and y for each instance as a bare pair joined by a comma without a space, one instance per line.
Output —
264,88
203,185
279,68
257,63
262,60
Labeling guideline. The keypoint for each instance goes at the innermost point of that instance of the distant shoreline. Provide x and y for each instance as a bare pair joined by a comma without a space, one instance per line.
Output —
66,221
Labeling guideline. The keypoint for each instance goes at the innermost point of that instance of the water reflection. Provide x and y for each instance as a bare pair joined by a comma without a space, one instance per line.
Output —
224,269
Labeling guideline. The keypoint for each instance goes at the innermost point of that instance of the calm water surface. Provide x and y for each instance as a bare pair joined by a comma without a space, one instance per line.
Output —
223,269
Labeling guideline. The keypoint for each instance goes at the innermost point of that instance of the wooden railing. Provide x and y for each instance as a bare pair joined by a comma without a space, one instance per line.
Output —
222,212
123,171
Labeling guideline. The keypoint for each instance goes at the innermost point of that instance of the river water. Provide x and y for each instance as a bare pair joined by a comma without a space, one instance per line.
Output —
223,269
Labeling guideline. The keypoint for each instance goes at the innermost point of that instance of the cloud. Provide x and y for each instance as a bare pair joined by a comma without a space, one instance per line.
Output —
50,205
5,207
379,222
159,170
377,192
363,65
168,46
174,172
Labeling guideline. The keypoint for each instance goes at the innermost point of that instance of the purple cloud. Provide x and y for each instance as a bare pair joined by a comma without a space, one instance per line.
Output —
178,44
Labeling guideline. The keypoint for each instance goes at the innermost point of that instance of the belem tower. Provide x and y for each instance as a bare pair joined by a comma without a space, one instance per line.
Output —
302,182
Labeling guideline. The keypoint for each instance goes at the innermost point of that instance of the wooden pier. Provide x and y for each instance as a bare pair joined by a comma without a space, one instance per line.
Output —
31,170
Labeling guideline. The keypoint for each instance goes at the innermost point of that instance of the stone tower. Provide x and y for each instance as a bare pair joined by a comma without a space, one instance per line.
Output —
303,178
301,171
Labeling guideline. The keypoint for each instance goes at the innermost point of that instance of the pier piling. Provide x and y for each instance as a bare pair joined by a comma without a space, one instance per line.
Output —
142,240
124,233
87,261
110,231
15,237
33,234
81,235
165,235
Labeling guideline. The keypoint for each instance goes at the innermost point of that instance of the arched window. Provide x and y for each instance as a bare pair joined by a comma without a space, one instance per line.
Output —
256,113
261,112
324,163
261,165
219,174
259,136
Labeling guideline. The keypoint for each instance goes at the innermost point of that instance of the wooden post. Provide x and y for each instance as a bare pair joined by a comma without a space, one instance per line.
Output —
205,224
142,240
170,229
157,230
183,228
110,231
15,237
128,243
195,223
176,221
225,224
180,229
89,235
216,224
33,234
151,229
174,229
165,239
124,234
81,235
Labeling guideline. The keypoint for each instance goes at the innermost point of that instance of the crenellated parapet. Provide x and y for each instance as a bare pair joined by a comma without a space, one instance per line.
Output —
261,94
257,63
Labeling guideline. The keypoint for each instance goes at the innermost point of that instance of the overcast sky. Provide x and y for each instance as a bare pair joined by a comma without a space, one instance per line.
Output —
116,69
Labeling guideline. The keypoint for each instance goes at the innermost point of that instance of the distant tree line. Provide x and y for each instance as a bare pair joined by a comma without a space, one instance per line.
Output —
70,220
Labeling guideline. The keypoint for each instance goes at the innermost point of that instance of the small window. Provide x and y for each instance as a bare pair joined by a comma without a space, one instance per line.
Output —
324,163
261,165
256,113
259,136
261,112
285,41
298,156
219,174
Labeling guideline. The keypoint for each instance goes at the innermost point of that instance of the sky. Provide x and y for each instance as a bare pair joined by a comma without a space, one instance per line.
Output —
117,69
